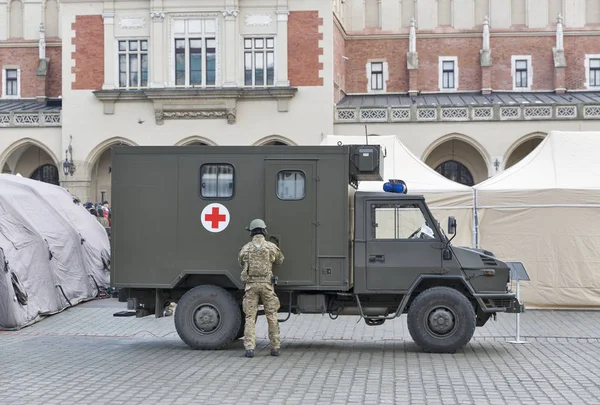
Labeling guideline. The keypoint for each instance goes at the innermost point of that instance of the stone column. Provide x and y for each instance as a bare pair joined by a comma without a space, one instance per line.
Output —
281,56
158,50
230,47
42,68
412,61
560,61
109,50
485,59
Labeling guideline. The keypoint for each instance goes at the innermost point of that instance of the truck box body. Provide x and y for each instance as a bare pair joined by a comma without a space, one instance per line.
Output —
302,193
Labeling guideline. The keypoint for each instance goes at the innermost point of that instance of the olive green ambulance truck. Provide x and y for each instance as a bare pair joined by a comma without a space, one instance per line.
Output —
180,216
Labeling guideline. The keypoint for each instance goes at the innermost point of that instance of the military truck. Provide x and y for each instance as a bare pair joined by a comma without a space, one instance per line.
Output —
180,216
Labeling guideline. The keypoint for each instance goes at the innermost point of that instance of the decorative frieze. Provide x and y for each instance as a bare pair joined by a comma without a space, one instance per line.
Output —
455,114
466,113
591,111
157,15
133,23
257,20
510,113
346,115
229,114
30,119
566,111
400,114
426,114
482,113
537,112
373,114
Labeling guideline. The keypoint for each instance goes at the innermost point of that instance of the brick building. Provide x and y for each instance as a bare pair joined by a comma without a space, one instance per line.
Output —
470,95
470,86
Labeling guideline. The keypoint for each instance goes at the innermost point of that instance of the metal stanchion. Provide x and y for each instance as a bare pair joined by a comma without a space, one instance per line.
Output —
517,273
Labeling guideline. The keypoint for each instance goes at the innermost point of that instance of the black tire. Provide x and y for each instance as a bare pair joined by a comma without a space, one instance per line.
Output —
207,317
454,315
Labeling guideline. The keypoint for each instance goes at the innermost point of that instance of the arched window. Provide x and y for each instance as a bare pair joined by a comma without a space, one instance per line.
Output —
47,174
455,171
275,143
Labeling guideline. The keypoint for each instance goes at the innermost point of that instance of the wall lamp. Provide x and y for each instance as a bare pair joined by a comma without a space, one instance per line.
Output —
68,165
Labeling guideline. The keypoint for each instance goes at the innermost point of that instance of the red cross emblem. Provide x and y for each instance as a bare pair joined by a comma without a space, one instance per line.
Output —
215,217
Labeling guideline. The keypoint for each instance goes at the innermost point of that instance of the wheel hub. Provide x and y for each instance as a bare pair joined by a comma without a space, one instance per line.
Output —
206,318
441,321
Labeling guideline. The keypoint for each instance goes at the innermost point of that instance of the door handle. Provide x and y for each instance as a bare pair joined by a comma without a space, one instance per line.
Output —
376,258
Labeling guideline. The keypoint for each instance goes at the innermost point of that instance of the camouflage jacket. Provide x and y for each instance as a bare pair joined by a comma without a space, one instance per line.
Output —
256,259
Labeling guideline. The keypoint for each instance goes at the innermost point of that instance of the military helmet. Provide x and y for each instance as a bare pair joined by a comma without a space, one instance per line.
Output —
257,223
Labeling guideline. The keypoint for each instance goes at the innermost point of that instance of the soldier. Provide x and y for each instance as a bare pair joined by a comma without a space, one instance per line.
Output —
256,258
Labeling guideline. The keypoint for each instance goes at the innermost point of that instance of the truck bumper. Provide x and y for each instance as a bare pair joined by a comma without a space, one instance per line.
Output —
508,303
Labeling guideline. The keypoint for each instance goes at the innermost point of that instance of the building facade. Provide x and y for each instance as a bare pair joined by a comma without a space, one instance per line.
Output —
469,86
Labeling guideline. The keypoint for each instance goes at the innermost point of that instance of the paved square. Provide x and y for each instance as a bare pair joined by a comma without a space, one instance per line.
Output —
86,356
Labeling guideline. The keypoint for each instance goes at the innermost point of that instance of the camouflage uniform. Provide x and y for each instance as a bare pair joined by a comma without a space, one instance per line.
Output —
256,259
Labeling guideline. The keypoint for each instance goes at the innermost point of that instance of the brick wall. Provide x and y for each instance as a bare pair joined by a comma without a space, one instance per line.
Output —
542,61
469,68
303,48
467,52
89,52
360,51
575,50
27,60
339,64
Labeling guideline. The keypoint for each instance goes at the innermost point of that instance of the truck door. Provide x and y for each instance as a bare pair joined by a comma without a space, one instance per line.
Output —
290,213
397,252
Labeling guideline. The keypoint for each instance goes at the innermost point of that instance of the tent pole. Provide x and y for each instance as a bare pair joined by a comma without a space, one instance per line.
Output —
475,221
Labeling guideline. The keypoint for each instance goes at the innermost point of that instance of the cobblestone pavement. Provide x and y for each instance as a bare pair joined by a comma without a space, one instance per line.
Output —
86,356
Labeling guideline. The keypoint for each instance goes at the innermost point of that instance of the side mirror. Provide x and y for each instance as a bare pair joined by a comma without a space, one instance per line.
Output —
451,225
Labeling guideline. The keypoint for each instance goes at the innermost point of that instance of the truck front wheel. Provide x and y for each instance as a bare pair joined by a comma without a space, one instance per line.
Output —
207,317
441,319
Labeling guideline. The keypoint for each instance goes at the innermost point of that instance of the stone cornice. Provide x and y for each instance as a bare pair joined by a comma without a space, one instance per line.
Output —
195,102
29,44
470,34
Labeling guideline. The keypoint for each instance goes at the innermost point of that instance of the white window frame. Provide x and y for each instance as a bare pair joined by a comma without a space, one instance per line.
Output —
128,52
187,36
4,69
513,72
589,57
441,60
253,50
385,75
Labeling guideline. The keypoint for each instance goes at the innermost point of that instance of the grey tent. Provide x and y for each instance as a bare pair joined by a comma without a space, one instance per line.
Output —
53,253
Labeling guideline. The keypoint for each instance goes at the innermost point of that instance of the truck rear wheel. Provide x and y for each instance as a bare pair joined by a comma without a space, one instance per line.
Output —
441,319
207,318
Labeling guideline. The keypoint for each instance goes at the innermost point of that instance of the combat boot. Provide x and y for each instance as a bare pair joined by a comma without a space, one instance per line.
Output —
250,353
274,352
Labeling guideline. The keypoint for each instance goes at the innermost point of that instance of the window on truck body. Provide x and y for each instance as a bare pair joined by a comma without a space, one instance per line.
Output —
216,180
291,185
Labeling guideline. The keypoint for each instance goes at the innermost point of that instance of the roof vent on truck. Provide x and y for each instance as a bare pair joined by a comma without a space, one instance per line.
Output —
395,186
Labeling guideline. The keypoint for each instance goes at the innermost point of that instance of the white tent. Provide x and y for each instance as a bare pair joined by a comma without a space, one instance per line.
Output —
444,197
53,253
545,212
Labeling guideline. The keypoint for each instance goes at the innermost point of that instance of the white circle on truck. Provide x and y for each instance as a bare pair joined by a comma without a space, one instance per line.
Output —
215,217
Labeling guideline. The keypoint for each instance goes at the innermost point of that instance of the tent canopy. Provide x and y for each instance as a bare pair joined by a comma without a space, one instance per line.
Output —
545,212
53,253
563,160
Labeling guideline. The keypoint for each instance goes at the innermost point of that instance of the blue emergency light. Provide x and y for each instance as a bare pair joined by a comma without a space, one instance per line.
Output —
395,186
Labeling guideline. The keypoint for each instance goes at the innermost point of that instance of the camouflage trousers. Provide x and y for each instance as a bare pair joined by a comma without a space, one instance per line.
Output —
266,293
